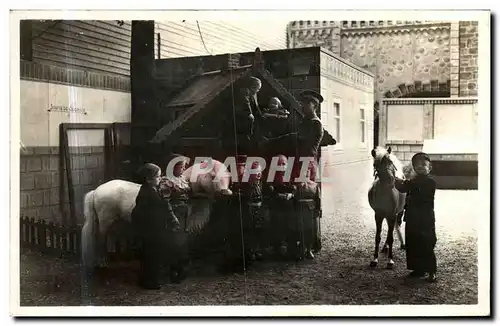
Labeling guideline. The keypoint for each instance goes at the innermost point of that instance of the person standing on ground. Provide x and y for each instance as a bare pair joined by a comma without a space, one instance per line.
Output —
152,216
420,230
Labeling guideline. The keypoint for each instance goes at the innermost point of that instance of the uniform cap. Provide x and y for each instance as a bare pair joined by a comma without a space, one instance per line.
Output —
312,95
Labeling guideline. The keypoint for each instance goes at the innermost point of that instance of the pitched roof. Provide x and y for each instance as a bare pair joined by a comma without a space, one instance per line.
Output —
201,90
204,88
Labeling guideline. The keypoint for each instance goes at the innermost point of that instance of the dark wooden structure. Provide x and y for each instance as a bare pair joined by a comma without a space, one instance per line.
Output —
204,104
203,116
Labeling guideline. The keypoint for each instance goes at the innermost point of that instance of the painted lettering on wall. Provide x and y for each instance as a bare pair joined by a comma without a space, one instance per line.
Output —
66,109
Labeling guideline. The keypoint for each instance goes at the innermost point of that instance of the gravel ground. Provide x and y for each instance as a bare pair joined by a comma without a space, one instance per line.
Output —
340,274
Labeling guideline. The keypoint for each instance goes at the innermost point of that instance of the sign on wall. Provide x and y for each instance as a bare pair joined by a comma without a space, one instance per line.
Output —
67,109
44,106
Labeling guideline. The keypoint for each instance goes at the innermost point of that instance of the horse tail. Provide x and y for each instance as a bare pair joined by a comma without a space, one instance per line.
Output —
89,231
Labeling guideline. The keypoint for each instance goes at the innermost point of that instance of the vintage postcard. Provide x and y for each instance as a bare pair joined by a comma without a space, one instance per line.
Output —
250,163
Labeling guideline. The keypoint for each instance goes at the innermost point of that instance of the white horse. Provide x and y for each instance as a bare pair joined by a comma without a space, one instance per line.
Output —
385,200
115,200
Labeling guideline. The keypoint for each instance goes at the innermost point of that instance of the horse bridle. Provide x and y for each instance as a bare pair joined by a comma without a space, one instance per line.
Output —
376,173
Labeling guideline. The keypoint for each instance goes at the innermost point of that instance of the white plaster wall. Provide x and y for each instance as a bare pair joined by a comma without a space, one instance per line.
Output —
455,121
405,122
351,100
39,127
352,94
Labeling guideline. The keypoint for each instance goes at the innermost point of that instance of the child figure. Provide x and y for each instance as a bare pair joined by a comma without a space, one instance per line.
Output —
175,189
275,109
307,205
420,231
281,205
152,216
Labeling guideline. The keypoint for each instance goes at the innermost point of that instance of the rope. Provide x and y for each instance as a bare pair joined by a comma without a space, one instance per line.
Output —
202,41
240,206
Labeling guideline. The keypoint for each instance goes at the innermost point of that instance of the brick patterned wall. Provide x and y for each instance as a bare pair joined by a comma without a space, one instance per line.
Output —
468,31
454,59
404,150
40,180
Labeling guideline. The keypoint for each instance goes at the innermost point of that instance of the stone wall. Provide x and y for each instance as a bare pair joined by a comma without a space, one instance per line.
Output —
40,181
468,58
403,52
405,149
325,34
400,56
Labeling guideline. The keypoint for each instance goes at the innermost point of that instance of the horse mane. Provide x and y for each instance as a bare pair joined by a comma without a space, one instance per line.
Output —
381,152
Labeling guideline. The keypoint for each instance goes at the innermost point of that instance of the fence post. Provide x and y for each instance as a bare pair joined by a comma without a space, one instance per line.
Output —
72,240
32,233
40,235
64,239
44,235
23,232
79,241
52,237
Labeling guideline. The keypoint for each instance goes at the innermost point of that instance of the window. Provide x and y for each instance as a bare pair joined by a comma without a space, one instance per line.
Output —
301,66
336,116
363,125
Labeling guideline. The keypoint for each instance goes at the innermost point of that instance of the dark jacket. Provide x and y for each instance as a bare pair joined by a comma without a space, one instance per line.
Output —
151,214
419,214
307,138
310,134
246,104
275,191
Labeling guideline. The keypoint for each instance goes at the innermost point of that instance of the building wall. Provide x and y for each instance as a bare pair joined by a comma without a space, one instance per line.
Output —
43,109
405,122
449,122
401,52
89,45
468,33
464,118
48,105
352,88
400,55
325,34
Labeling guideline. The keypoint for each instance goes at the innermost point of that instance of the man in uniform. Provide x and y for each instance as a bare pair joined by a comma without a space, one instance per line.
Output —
310,130
308,139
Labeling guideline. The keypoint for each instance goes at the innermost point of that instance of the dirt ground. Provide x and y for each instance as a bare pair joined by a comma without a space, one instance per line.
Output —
340,275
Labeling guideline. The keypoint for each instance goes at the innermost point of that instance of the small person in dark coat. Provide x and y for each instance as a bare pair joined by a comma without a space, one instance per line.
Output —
281,206
420,231
152,216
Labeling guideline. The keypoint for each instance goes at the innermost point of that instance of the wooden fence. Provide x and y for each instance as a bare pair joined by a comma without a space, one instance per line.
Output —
65,241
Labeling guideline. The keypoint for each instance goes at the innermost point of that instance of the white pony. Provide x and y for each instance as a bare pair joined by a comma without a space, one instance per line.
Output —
385,200
115,200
